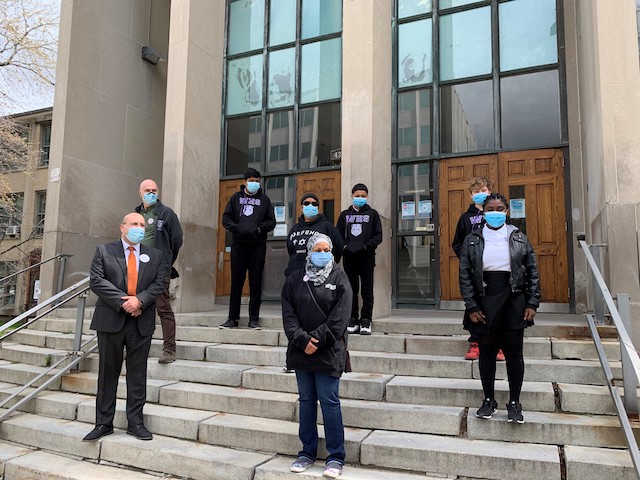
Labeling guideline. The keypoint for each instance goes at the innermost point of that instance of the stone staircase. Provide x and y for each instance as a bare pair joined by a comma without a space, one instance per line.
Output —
226,409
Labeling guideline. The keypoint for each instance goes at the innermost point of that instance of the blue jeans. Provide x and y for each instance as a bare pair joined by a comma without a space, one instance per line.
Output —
313,387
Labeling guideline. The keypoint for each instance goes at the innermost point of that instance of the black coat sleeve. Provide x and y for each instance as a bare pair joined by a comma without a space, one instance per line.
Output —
338,319
458,236
103,288
338,243
269,221
175,236
292,327
229,218
340,226
466,279
376,234
532,292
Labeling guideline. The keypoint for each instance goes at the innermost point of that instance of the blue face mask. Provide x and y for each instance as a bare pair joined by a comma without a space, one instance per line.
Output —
150,198
310,211
479,197
253,187
495,219
135,234
359,202
320,259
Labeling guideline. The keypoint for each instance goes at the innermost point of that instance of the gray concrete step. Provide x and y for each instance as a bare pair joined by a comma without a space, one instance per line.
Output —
20,373
164,454
38,356
588,399
586,463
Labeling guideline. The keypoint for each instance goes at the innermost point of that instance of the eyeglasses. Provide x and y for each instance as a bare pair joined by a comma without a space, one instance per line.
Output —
306,204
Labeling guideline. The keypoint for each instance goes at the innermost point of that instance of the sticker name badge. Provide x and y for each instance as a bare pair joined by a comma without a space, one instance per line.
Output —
144,258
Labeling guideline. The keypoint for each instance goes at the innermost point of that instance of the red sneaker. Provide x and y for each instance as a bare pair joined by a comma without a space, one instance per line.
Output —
473,353
500,356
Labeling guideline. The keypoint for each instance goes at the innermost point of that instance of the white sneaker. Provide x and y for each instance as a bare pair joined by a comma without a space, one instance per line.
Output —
354,326
365,327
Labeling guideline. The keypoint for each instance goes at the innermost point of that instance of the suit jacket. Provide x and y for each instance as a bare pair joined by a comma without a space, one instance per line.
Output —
108,280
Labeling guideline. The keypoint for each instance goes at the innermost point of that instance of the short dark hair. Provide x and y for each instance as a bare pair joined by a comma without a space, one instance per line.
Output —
251,172
496,196
359,186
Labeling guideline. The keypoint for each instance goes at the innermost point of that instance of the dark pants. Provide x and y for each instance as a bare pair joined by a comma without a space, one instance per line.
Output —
110,347
167,319
314,387
246,257
359,269
511,342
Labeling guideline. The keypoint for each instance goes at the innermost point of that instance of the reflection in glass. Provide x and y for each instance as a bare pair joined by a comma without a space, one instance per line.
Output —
414,53
319,134
455,3
321,17
530,107
244,85
282,22
415,196
528,34
414,123
408,8
282,66
244,144
465,44
321,71
281,192
280,132
246,25
467,117
415,269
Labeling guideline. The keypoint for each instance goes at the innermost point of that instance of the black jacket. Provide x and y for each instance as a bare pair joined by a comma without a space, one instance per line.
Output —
249,217
468,222
168,236
303,320
361,230
301,232
524,269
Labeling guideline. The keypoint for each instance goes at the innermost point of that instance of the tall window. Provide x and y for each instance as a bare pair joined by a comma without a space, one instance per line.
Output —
7,288
38,221
45,145
11,216
497,85
283,85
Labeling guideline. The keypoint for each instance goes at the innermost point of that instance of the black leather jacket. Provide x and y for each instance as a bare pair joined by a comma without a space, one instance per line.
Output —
524,269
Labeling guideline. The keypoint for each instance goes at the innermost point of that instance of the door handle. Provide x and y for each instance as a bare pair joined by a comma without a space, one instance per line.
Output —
220,261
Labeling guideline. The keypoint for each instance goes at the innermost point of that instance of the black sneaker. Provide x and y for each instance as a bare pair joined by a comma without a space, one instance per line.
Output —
354,326
514,411
229,323
365,326
487,409
255,324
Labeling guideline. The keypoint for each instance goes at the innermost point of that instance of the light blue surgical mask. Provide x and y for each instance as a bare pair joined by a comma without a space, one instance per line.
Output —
359,202
321,259
135,234
150,198
253,187
495,219
479,198
310,211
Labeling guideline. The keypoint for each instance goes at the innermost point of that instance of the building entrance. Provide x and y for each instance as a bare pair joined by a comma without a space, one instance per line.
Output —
533,181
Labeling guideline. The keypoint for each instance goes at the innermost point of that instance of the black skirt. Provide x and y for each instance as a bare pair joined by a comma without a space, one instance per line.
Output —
503,309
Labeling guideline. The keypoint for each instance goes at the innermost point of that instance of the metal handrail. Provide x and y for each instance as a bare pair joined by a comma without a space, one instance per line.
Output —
629,355
15,274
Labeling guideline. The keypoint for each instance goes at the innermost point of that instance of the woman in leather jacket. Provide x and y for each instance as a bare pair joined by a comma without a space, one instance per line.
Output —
500,286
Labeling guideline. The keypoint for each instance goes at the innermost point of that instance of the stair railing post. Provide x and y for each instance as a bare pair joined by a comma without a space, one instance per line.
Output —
628,373
77,337
598,297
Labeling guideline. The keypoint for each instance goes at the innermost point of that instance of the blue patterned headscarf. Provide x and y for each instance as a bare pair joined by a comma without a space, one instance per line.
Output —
315,274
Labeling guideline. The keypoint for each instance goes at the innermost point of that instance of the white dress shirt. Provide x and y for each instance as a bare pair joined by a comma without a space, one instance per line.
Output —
496,256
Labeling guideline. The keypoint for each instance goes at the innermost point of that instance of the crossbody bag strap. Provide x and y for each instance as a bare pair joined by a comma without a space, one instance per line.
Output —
313,297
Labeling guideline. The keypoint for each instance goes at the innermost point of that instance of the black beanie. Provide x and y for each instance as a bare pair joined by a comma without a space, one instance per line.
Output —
309,195
359,186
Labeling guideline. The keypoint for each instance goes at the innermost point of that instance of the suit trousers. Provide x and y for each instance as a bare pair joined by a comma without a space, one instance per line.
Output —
110,347
167,318
246,257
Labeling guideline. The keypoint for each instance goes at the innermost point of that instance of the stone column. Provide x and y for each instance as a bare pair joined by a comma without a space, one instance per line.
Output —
366,122
191,168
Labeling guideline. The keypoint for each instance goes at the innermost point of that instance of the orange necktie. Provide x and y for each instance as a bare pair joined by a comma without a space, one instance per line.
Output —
132,272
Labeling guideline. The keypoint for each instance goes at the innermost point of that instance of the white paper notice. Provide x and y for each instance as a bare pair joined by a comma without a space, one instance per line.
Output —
280,230
408,210
517,208
54,175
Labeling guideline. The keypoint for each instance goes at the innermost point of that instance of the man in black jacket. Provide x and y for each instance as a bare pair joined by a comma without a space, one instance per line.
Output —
249,217
361,231
162,231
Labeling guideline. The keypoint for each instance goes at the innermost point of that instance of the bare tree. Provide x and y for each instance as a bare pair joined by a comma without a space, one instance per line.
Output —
14,155
28,44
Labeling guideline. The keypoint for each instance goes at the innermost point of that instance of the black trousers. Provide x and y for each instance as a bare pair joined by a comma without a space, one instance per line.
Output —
511,342
110,347
246,258
359,269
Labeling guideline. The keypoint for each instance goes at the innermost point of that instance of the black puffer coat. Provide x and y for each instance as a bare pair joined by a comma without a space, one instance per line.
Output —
524,269
302,320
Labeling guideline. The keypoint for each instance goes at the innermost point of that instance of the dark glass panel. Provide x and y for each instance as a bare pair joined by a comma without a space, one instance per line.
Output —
319,134
414,123
280,141
246,25
415,256
244,145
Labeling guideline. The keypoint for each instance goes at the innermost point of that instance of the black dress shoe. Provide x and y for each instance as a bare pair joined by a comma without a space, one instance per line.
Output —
98,432
140,432
230,323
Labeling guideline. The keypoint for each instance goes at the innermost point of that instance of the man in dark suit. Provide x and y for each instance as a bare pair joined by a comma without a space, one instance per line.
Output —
127,277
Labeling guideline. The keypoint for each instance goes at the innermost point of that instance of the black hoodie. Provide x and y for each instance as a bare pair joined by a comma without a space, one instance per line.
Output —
301,232
468,222
249,217
361,230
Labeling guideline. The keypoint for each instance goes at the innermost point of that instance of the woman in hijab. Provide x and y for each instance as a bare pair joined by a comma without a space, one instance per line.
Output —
316,304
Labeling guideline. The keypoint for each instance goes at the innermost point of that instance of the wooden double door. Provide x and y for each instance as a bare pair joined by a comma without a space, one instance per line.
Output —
533,181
